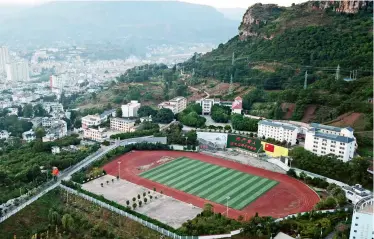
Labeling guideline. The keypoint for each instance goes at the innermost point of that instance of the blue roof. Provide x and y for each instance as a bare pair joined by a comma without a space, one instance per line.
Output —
276,124
334,137
326,127
106,113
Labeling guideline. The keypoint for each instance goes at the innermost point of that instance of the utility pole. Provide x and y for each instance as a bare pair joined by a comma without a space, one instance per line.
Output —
306,80
337,73
231,86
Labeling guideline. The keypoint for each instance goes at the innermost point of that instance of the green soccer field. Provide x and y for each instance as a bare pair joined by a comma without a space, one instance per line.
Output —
211,182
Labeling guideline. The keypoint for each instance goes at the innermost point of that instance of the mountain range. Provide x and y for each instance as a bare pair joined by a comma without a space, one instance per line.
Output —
123,23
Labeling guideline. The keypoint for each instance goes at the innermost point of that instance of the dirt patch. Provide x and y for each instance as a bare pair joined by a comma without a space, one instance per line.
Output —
288,109
349,119
309,113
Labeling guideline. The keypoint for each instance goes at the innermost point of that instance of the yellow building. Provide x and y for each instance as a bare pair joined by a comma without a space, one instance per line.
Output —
274,150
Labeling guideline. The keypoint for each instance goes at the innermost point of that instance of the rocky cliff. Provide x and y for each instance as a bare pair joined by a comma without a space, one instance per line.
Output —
343,6
267,20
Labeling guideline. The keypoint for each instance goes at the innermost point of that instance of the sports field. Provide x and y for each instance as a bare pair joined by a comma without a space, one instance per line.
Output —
211,182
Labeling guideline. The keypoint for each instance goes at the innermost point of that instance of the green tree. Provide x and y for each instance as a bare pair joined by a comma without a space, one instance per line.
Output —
68,222
163,116
145,111
28,111
39,133
119,112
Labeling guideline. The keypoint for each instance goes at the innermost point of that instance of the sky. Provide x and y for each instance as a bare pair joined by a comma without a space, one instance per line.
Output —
213,3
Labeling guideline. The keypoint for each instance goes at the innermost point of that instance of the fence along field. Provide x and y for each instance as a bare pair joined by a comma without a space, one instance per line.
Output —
211,182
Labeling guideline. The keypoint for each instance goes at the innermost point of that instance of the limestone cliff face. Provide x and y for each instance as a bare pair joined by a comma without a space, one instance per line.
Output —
343,6
257,15
257,18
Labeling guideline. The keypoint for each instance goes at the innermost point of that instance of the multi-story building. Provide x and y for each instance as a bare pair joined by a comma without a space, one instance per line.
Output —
355,193
278,131
47,121
237,105
130,109
29,136
57,81
53,107
207,104
17,71
95,134
57,129
323,140
4,134
4,58
176,105
91,120
362,219
124,125
106,114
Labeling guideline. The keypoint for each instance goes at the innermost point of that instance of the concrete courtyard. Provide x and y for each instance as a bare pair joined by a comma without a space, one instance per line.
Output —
165,209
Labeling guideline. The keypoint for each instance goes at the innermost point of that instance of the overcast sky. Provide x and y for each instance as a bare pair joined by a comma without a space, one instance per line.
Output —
214,3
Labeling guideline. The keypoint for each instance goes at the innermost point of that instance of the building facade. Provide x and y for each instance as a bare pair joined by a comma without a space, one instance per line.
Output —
237,105
91,120
4,58
176,105
130,109
207,104
98,135
362,219
123,125
29,136
17,71
278,131
324,139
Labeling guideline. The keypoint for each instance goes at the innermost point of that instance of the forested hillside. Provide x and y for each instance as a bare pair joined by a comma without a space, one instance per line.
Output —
278,48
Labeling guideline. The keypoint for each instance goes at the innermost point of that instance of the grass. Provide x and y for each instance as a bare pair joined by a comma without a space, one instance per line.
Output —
210,181
90,220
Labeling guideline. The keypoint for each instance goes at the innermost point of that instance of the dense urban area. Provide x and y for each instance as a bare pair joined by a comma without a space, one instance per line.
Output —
266,135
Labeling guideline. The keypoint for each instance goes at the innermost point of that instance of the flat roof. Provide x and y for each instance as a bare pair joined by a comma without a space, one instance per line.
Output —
326,127
277,124
124,120
334,137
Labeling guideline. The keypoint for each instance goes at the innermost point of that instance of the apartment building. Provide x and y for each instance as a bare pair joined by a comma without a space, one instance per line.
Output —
362,219
91,120
98,135
57,129
207,104
130,109
4,58
176,105
47,121
278,131
123,125
53,107
324,139
17,71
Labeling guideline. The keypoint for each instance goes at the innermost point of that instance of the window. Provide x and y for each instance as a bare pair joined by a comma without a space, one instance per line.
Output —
323,152
356,224
314,150
324,148
355,231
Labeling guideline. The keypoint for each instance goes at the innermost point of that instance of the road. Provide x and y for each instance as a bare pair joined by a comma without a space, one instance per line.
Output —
66,174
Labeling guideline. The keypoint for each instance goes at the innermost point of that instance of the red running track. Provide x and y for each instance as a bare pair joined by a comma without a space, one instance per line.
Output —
288,197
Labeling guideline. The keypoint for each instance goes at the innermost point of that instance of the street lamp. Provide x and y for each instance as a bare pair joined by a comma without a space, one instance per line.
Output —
119,169
227,206
186,140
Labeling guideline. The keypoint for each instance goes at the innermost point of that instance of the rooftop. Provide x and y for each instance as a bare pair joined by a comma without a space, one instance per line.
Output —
107,112
326,127
334,137
277,124
124,120
177,98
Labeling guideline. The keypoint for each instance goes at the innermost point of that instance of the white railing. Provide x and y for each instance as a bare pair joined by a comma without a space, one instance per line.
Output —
144,222
303,213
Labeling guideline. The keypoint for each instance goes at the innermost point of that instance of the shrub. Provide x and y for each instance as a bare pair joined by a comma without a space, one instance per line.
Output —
134,205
